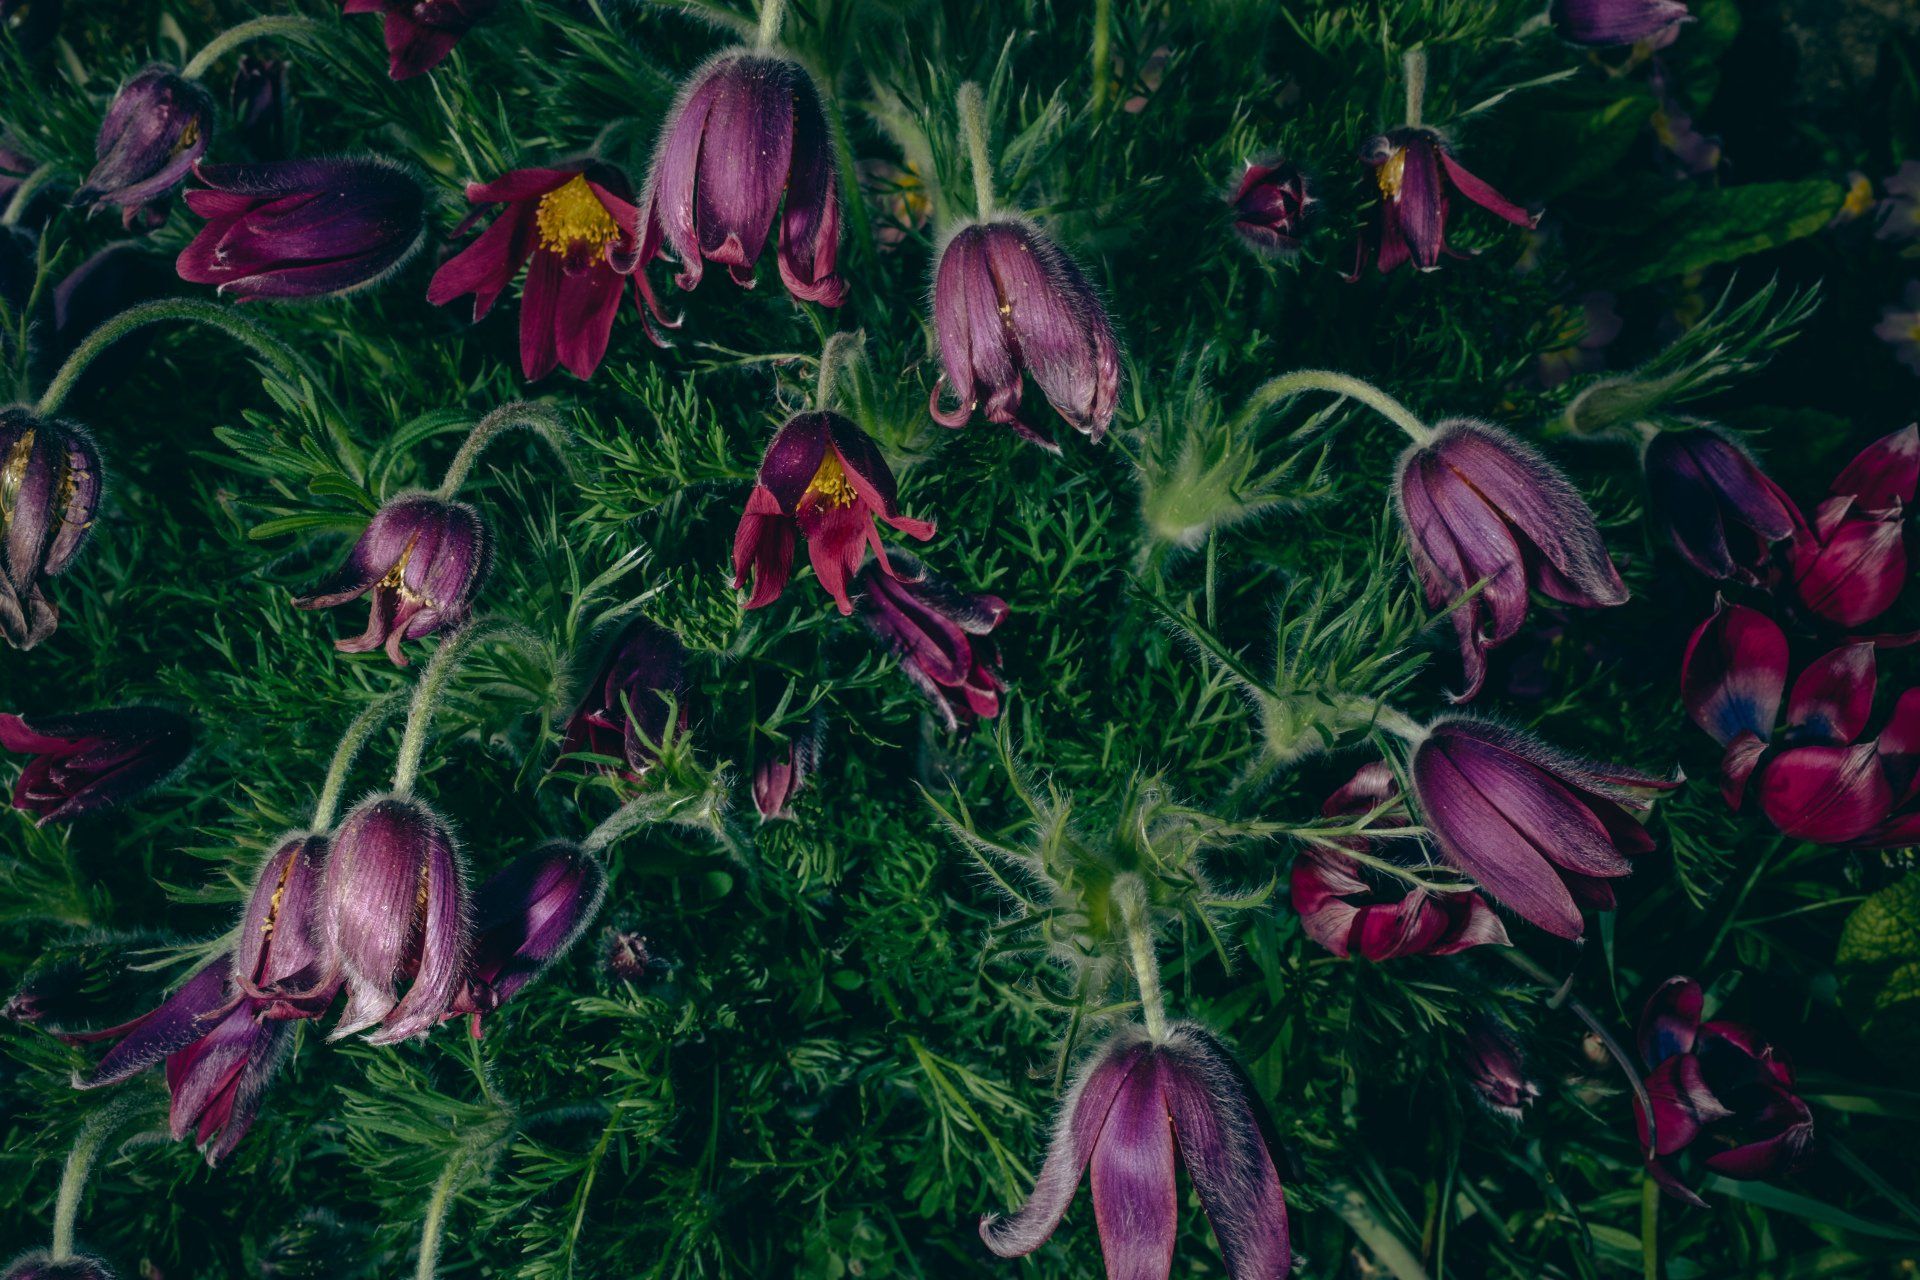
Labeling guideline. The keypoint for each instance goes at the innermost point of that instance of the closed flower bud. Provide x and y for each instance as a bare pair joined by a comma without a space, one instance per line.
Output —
1611,23
302,228
1006,303
940,636
421,33
158,126
259,101
826,479
1713,501
50,483
1496,1069
1851,562
1415,169
625,714
526,917
39,1265
1271,206
1132,1107
93,760
422,560
280,953
779,778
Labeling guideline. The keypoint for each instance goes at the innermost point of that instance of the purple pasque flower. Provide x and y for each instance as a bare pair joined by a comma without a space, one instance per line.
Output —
1008,302
826,478
93,760
393,909
1850,563
39,1264
1414,169
781,777
50,476
157,127
1720,1086
1271,206
1712,500
421,33
279,960
302,228
1495,1068
1345,913
939,634
629,707
1544,834
1133,1105
422,558
1731,679
575,229
1607,24
747,129
525,917
1479,507
258,97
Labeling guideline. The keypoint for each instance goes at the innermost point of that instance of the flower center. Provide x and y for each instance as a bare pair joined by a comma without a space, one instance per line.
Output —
1391,173
396,577
571,217
13,473
829,487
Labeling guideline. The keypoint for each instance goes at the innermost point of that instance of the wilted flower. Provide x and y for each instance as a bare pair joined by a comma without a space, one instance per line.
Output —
50,478
575,229
394,909
526,917
939,635
1900,211
158,126
421,33
1414,167
780,777
1543,833
1710,497
1132,1106
1851,562
826,478
1716,1083
259,100
1007,302
747,128
302,228
1611,23
93,760
626,712
423,559
1271,206
1477,504
39,1265
1496,1068
279,960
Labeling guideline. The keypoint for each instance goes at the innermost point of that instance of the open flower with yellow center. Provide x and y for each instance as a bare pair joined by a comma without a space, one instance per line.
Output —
1414,169
824,477
576,232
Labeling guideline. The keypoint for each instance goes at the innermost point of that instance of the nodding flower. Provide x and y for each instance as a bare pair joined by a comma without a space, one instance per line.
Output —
1496,1068
50,475
1271,206
939,633
1718,508
627,711
158,125
527,916
1607,24
1414,169
93,760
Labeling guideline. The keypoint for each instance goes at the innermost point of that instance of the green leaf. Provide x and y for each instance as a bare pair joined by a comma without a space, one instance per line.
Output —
1878,962
1767,1196
1704,228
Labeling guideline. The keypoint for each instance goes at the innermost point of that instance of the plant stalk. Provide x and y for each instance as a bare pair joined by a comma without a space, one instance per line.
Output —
1527,965
1102,52
502,420
433,1226
24,193
250,335
1132,897
836,355
973,124
73,1179
771,11
1277,389
253,29
1415,64
371,717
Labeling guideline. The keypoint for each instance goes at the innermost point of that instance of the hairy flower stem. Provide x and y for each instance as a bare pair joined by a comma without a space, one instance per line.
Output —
838,353
24,193
973,124
1527,965
1102,46
771,11
433,682
432,1227
1414,63
73,1178
1275,390
250,335
635,812
1132,898
371,717
502,420
233,37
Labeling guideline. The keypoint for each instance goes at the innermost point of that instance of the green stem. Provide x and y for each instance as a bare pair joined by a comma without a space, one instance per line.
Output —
253,29
1102,55
636,812
501,420
836,355
1350,1202
432,1227
1649,1228
370,718
1274,390
73,1178
771,11
24,193
433,681
1399,724
973,124
1415,64
1527,965
246,332
1132,897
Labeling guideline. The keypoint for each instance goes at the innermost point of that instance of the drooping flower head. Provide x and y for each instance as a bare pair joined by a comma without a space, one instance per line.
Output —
1544,834
1414,169
39,1265
629,706
93,760
526,917
1712,500
825,478
49,492
1132,1107
1608,24
939,634
1496,1069
1480,506
1851,562
575,229
747,129
1271,206
279,960
421,33
302,228
158,126
422,558
1007,302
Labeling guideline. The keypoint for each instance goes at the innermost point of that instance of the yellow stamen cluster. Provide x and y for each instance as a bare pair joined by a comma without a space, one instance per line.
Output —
396,577
571,217
13,472
829,487
1392,173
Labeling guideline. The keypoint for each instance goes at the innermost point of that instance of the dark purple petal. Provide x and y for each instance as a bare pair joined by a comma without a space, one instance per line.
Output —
1225,1154
280,930
1611,23
52,488
1852,574
810,225
158,125
531,913
94,760
184,1017
1714,502
1671,1020
1135,1200
1734,673
1496,1068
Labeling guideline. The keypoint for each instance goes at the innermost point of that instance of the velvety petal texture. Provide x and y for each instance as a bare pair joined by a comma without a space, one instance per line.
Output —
158,125
93,760
1850,562
526,916
1714,503
1415,170
1604,24
50,481
939,633
1734,673
280,956
39,1265
628,708
1271,206
421,33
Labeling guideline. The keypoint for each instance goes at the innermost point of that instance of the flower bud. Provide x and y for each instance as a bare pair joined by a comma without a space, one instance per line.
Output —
93,760
779,778
421,33
422,559
939,634
158,126
625,714
1271,206
525,917
1496,1069
50,479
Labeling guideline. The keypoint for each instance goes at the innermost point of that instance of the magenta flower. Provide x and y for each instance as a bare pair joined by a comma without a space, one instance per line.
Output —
1608,24
1731,679
1006,303
627,710
1710,497
50,476
525,917
1479,506
826,478
939,634
1271,206
158,126
1543,833
93,760
302,228
576,230
1718,1085
1132,1107
422,558
1850,563
747,128
421,33
781,777
1495,1068
1414,168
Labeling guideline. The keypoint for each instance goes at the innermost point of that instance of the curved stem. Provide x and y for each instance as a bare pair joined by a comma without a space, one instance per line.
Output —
771,11
508,416
432,1227
1102,45
253,29
370,718
836,355
1527,965
433,682
635,812
1399,724
1415,64
973,124
73,1178
24,193
246,332
1132,896
1277,389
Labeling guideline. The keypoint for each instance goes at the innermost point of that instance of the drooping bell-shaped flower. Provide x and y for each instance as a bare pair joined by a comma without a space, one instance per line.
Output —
1851,562
422,558
1271,206
826,479
1543,833
1715,504
1496,1069
1605,24
93,760
628,708
1133,1107
939,634
39,1265
525,917
747,130
783,775
393,911
1007,302
279,959
158,125
421,33
1415,169
302,228
50,480
575,229
258,97
1479,505
1718,1085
